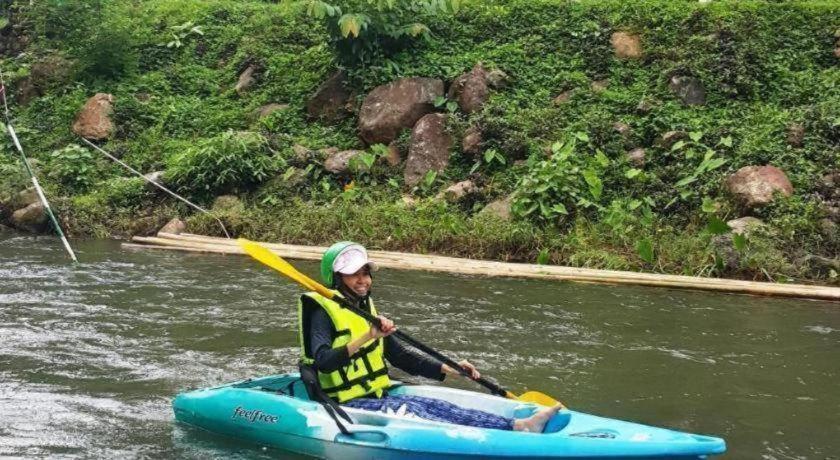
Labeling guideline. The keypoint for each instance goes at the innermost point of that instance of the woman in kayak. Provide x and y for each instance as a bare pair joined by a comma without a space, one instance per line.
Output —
349,354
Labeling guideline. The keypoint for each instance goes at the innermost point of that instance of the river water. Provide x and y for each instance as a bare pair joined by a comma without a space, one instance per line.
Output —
92,355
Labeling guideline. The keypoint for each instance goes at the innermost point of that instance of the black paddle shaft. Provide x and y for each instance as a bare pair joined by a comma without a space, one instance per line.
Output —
495,389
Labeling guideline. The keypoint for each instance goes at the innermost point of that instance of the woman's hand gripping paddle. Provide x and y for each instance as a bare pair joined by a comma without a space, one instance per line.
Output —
269,258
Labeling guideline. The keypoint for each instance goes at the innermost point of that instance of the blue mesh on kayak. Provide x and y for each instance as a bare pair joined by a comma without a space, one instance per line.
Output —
432,409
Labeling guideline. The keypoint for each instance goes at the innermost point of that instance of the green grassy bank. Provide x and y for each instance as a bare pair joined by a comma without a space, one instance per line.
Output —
765,66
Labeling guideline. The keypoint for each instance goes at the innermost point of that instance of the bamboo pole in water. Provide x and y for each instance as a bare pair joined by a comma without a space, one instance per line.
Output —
407,261
314,253
454,264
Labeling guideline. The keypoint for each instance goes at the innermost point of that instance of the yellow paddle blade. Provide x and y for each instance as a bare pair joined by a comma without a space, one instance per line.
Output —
270,259
308,282
538,398
316,286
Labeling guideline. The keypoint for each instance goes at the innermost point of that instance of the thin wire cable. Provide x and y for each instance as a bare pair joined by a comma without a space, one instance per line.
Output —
11,130
138,173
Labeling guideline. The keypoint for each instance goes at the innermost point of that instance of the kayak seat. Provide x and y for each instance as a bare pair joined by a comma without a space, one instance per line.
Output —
558,422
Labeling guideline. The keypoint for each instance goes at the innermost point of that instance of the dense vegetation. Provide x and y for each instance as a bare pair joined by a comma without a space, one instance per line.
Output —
172,66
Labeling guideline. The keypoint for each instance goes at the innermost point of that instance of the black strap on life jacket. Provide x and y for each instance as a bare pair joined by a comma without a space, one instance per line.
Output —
363,380
309,375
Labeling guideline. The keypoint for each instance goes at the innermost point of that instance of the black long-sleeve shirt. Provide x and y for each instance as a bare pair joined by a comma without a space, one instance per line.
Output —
319,333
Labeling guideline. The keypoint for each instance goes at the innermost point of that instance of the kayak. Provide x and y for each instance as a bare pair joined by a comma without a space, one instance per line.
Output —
276,411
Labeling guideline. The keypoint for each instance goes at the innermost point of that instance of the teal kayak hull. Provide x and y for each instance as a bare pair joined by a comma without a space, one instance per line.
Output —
275,411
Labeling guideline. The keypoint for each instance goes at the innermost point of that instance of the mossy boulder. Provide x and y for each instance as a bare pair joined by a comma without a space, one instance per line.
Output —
175,226
32,218
94,120
389,109
626,45
246,80
756,186
430,148
690,90
500,208
339,162
471,89
332,101
458,191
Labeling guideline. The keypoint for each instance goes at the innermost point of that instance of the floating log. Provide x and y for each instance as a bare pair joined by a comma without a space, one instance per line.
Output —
408,261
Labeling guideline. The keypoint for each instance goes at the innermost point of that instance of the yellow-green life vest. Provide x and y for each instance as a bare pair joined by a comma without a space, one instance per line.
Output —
367,373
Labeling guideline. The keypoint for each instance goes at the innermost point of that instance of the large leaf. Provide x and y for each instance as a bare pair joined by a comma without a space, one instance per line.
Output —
559,208
715,163
544,209
596,186
716,226
602,159
318,9
685,181
416,29
632,172
429,178
563,149
739,241
709,205
645,249
528,210
350,24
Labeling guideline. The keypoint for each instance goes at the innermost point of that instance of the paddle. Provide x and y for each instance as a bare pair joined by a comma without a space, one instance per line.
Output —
269,258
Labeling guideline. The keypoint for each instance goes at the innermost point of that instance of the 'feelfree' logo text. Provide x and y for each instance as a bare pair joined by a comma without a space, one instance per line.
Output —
254,415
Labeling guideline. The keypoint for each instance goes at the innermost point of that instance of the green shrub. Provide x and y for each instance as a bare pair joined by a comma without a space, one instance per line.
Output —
566,183
73,167
796,226
125,193
13,177
65,20
98,35
108,53
231,160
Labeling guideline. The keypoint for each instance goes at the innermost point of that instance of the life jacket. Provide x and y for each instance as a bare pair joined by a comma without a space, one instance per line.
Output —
367,373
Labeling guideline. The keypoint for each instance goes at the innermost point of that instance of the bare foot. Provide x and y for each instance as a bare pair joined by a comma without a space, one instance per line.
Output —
536,423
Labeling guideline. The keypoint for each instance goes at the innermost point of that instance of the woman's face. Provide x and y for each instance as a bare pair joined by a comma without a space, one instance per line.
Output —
359,282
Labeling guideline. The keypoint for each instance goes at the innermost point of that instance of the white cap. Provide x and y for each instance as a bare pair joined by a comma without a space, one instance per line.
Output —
351,259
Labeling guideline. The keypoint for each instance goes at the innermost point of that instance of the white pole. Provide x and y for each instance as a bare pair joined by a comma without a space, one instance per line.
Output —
41,195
